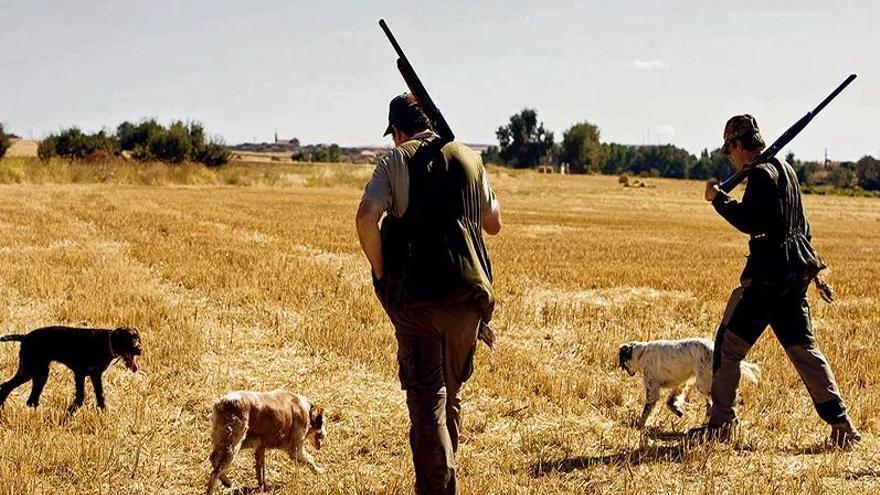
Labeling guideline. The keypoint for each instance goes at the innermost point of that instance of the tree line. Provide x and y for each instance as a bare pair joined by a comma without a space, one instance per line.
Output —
147,140
525,142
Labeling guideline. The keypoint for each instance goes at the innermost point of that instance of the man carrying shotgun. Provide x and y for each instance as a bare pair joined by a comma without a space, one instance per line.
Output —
431,268
432,274
774,282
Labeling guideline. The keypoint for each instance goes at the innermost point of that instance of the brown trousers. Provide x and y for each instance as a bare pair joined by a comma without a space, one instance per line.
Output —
749,311
435,354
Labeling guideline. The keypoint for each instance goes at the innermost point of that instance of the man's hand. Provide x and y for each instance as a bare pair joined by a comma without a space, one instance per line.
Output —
712,189
825,290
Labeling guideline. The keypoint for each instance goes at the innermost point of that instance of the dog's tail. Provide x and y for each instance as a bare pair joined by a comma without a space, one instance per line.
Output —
12,338
750,371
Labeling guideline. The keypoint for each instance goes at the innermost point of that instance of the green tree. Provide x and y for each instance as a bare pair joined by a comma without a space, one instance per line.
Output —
655,160
5,142
700,169
320,155
524,141
617,158
131,136
581,149
47,149
841,177
74,144
491,155
868,173
334,153
719,165
212,154
172,145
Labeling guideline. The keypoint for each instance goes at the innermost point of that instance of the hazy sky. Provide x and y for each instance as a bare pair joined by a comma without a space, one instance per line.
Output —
664,71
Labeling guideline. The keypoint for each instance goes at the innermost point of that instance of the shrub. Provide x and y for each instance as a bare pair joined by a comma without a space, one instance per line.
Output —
171,145
5,142
74,144
868,173
213,154
47,149
145,141
132,136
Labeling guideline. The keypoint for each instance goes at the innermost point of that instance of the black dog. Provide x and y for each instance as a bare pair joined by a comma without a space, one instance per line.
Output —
86,351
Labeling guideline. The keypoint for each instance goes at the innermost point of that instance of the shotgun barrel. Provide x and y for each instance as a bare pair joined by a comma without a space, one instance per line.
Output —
418,89
734,180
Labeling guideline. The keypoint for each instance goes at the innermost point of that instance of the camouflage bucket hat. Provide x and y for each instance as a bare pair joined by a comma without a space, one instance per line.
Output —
402,107
737,127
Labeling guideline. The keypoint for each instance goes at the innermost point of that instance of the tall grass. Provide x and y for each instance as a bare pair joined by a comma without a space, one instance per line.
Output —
26,170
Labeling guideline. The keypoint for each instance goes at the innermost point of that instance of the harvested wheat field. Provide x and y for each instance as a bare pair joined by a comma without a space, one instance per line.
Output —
263,285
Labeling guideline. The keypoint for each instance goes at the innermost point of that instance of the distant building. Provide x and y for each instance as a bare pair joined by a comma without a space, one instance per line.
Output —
286,142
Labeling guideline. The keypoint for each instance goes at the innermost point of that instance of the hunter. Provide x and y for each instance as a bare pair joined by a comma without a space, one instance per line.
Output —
773,286
432,275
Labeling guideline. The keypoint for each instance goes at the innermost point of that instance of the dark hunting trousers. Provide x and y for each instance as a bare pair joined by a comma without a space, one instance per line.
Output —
749,311
435,353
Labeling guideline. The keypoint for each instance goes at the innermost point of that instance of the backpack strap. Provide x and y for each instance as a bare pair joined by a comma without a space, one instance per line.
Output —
791,201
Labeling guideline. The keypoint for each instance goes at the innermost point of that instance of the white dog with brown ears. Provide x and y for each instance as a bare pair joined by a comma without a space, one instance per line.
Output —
261,421
673,364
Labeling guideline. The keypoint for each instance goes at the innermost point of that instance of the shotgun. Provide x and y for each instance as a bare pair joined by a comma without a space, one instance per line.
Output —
786,137
418,90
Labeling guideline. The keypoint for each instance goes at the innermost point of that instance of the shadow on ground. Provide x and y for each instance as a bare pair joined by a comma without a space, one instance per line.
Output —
674,451
819,448
641,455
664,435
248,490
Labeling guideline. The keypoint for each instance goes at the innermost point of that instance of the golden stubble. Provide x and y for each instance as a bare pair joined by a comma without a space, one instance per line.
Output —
262,285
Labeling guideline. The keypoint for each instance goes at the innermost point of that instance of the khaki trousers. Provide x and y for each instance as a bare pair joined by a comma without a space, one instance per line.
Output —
435,354
749,311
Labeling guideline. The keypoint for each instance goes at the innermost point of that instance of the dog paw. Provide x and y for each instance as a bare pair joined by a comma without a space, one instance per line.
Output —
318,470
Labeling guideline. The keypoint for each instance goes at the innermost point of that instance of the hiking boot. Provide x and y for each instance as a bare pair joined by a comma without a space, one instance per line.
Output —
709,432
844,434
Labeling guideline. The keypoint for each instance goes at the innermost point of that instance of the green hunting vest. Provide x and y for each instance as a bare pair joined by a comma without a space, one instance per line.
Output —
434,253
784,256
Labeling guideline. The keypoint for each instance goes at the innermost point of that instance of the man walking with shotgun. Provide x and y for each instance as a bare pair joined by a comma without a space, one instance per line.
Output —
431,269
780,267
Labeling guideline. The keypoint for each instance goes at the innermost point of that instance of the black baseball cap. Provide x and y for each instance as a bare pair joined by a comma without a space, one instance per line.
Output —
404,108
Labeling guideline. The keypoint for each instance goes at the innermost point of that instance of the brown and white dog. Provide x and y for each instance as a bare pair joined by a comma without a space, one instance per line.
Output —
263,420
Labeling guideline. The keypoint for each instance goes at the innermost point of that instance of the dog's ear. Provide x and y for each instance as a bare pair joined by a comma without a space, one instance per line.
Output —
123,331
624,354
316,417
